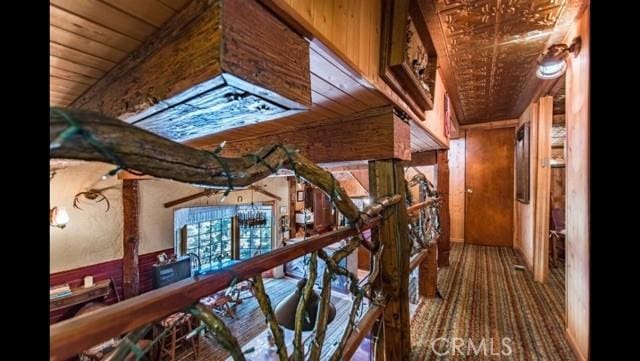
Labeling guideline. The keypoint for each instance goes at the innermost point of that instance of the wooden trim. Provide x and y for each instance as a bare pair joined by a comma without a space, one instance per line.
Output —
574,346
365,325
526,262
542,190
71,336
508,123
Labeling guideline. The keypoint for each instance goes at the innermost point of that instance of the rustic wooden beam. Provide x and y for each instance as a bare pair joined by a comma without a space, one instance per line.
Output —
386,177
211,64
419,159
428,274
91,136
204,193
444,240
267,193
130,238
379,136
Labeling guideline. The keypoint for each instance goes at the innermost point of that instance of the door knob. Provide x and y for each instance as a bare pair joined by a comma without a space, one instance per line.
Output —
469,190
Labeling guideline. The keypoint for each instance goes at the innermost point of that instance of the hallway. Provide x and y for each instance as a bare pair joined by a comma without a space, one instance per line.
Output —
485,297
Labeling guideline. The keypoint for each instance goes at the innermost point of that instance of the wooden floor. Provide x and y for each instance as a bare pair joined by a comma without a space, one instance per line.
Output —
250,322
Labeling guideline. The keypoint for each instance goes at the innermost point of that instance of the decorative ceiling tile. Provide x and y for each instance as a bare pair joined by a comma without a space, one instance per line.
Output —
488,49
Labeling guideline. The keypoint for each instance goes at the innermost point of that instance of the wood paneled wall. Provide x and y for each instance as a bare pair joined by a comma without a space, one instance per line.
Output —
102,271
525,212
457,188
353,27
578,203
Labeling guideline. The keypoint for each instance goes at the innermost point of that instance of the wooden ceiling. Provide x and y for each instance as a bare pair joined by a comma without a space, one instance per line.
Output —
488,49
89,37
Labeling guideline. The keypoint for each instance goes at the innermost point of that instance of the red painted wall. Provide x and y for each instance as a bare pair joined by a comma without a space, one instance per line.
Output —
101,271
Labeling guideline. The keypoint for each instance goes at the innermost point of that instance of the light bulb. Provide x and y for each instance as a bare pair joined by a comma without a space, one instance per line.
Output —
58,217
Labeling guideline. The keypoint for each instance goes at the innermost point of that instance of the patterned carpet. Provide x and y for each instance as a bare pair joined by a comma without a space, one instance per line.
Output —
491,311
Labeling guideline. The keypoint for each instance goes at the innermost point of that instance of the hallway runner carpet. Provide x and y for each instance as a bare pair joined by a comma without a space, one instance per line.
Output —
487,305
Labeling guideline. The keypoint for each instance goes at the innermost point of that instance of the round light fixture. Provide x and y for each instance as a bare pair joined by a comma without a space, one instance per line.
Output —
552,63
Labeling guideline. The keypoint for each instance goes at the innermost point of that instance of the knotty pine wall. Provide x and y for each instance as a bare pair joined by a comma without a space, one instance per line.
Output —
578,203
353,27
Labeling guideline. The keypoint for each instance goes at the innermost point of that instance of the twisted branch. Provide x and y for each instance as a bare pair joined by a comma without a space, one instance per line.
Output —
218,330
267,310
298,349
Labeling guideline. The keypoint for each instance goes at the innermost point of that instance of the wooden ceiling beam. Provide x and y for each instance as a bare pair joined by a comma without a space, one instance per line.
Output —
380,136
419,159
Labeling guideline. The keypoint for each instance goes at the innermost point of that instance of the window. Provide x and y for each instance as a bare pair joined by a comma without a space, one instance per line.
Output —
215,237
210,241
256,240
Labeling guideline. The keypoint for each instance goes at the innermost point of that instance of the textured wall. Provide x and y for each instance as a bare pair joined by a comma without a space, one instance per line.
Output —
91,236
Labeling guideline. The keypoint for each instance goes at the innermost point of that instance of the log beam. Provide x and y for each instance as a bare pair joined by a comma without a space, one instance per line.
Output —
130,238
428,274
386,177
444,240
419,159
382,135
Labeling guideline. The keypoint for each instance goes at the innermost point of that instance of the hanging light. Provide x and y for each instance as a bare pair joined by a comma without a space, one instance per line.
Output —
58,217
552,63
285,311
253,216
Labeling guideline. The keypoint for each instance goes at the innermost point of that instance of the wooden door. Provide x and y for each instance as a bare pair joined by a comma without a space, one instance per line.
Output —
489,187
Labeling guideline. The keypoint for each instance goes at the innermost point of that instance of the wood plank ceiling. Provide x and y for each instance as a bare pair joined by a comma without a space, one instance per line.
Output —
488,49
89,37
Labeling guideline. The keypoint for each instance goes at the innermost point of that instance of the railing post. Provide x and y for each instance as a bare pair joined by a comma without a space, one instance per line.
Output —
444,240
428,274
131,238
386,177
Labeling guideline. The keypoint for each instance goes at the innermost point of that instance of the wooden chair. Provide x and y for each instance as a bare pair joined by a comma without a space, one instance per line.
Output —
557,234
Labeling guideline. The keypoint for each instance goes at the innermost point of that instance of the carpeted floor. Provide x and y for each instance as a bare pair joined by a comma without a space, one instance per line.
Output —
491,311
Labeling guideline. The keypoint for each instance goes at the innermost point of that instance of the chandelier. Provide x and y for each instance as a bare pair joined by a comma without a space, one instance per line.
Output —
252,216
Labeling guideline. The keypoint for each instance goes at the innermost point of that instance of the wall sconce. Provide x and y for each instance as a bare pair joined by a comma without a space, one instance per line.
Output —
552,63
58,217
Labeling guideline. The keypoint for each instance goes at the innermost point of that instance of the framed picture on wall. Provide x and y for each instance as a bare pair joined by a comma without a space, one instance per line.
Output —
522,163
300,196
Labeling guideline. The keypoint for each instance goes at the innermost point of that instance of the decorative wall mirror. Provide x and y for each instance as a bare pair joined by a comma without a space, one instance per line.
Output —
522,163
408,57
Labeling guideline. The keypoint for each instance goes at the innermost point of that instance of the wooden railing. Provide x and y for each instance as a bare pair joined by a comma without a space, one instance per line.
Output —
79,333
90,136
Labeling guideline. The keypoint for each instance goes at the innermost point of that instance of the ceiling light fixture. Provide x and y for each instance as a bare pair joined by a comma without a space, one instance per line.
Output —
552,63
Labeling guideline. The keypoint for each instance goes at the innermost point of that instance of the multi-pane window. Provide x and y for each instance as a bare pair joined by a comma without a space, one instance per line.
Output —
210,240
215,241
257,239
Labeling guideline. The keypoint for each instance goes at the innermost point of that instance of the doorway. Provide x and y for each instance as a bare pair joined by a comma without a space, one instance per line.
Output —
489,170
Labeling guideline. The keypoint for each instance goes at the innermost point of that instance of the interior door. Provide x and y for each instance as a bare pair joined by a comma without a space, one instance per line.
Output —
489,186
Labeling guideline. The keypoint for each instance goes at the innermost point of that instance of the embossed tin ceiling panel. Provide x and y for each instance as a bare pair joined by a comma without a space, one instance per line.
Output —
487,50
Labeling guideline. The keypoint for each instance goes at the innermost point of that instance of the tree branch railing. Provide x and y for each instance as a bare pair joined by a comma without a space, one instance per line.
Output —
89,136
